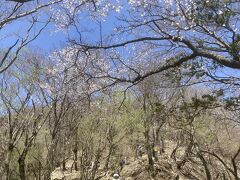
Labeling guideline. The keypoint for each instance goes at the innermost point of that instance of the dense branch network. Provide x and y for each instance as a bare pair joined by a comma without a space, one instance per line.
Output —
12,53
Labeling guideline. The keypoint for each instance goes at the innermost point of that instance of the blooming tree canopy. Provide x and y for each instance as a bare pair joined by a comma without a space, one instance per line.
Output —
201,37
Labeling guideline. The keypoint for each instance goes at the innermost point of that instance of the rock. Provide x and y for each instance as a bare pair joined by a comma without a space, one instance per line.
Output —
69,164
134,169
58,174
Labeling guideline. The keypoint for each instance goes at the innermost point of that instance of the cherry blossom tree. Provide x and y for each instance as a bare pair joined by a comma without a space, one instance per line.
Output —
198,38
178,32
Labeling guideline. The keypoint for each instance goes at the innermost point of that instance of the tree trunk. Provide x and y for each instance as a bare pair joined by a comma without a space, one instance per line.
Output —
49,165
75,156
149,151
7,164
50,159
207,171
21,166
64,154
96,163
8,161
75,150
108,157
162,148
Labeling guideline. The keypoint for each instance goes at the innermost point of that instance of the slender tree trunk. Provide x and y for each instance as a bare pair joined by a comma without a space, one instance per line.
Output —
157,140
49,166
40,173
21,168
162,148
95,166
8,161
149,151
75,150
108,157
235,169
10,150
64,155
75,156
207,171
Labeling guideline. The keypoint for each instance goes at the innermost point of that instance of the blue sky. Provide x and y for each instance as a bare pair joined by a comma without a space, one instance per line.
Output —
47,40
51,38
